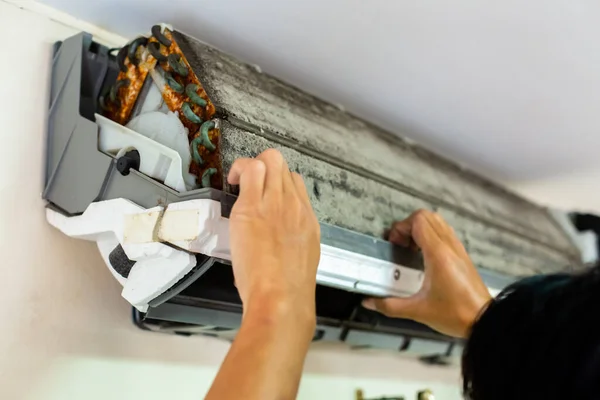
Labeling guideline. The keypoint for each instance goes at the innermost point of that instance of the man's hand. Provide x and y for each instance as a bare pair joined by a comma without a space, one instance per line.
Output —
275,238
275,250
453,294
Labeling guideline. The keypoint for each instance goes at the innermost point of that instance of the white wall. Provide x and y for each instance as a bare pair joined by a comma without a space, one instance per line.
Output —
578,190
65,332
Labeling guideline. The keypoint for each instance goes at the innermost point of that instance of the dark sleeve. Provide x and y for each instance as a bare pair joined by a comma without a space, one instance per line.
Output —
587,222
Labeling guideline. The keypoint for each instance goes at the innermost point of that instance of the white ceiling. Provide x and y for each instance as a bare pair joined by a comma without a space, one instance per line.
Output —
510,88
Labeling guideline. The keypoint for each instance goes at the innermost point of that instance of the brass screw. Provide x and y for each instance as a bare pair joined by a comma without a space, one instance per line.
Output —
426,394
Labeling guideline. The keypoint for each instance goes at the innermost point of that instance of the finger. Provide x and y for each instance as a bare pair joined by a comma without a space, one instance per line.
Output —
250,175
418,228
301,188
400,233
426,236
395,307
287,181
233,178
275,164
440,225
447,234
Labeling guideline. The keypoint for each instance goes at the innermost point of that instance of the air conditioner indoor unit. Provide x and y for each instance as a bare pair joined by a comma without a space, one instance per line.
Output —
139,143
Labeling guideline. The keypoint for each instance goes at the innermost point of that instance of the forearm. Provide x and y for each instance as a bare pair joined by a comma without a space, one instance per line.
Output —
266,359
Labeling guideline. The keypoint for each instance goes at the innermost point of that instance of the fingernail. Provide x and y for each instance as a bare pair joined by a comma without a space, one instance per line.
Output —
369,304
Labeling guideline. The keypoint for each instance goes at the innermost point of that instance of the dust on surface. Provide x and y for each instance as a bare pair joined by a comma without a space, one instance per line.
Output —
269,104
348,200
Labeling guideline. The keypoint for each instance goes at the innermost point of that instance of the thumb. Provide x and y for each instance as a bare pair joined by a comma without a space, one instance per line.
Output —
394,307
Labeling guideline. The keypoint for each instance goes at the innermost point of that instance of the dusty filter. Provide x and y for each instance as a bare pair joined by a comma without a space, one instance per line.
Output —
140,140
359,177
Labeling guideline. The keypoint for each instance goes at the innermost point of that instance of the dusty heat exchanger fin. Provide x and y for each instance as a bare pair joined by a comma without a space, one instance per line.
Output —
158,60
